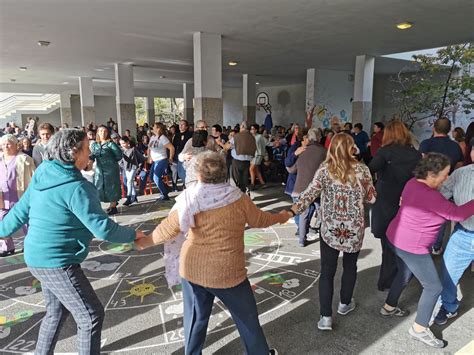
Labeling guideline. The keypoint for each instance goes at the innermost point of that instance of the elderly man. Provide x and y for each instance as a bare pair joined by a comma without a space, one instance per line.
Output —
310,157
186,154
243,148
179,141
459,253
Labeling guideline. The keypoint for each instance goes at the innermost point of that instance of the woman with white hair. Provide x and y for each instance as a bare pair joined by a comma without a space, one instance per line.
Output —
212,261
16,170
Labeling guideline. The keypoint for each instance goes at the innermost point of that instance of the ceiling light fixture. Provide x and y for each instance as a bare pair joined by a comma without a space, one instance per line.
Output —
43,43
257,83
233,63
23,68
65,82
99,69
404,25
12,80
162,77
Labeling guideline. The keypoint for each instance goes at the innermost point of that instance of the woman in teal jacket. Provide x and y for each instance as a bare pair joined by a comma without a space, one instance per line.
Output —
58,240
107,154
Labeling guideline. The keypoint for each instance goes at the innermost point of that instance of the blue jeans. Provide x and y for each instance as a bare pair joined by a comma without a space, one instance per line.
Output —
159,168
423,268
304,220
239,300
129,181
440,237
297,217
458,256
68,291
181,172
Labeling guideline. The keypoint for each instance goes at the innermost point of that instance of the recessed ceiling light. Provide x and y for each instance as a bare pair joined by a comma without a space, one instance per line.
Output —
43,43
23,68
257,83
99,69
65,82
233,63
106,68
404,25
12,80
162,77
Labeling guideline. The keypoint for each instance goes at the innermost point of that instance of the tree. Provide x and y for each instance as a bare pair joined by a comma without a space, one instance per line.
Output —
441,86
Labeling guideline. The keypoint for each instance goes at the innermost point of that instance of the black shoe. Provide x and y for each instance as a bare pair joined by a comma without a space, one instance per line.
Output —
6,253
164,198
128,202
112,211
273,352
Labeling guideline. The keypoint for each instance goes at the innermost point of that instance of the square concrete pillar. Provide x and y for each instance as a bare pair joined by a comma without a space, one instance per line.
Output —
249,98
125,97
65,109
150,110
86,92
208,104
188,95
363,91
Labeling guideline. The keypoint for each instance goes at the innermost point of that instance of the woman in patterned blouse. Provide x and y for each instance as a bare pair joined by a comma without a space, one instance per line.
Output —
344,185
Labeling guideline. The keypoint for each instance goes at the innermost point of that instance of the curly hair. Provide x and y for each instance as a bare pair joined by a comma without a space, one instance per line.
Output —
64,145
432,163
211,167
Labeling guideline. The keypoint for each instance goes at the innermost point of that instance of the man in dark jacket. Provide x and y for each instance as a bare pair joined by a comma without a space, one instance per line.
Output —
179,140
305,167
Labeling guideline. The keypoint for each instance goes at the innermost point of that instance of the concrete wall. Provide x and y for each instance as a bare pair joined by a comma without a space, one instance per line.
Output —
232,102
334,91
53,117
105,107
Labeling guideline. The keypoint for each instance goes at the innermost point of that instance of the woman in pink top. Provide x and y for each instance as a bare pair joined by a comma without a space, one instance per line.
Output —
412,233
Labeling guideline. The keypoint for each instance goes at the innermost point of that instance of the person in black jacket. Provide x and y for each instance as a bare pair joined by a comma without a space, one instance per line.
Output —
130,164
393,165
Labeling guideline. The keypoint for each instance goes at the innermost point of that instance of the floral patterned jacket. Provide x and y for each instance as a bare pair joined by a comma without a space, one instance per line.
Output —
342,207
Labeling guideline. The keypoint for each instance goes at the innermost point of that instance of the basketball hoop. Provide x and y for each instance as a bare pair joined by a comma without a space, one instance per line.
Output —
263,102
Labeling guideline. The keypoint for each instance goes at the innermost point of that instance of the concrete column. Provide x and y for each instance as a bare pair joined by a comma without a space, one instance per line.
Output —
188,95
150,109
310,95
125,98
208,78
363,90
86,91
65,109
249,98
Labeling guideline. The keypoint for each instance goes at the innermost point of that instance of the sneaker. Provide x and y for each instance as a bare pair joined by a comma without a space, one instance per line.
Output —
164,198
128,202
325,323
396,312
427,337
443,316
273,352
344,309
6,253
435,251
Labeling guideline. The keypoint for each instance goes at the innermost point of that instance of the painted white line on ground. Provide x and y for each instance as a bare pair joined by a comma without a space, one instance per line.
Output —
117,269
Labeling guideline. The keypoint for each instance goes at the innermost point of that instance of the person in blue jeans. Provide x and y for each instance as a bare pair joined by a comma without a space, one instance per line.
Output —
159,144
58,241
459,252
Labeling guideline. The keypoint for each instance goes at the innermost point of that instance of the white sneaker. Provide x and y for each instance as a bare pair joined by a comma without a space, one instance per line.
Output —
344,309
325,323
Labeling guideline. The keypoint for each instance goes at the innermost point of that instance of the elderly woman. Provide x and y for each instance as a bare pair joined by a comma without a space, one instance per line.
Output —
58,241
212,263
344,185
412,233
107,154
16,170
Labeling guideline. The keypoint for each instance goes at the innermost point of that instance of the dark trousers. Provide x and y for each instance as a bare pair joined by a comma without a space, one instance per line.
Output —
68,291
329,258
239,300
240,173
388,268
423,268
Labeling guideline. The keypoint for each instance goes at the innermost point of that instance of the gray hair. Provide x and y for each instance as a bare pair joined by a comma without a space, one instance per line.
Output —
244,125
63,145
314,135
211,167
9,138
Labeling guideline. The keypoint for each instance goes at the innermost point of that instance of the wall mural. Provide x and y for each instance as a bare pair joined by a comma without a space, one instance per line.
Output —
325,118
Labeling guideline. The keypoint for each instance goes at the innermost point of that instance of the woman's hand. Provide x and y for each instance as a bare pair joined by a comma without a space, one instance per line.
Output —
286,215
141,240
300,150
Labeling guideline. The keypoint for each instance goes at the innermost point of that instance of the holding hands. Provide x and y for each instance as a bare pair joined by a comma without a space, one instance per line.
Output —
141,240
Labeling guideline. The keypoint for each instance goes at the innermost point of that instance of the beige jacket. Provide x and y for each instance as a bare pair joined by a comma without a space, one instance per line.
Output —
25,167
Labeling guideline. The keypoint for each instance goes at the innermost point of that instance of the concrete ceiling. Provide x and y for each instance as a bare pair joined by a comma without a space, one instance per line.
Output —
275,39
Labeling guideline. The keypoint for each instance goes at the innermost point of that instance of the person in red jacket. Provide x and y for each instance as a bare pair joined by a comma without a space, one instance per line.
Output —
376,139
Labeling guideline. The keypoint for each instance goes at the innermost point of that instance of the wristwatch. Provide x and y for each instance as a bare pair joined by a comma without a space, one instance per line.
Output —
292,212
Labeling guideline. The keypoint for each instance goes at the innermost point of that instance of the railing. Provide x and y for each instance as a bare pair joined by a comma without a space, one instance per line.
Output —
33,103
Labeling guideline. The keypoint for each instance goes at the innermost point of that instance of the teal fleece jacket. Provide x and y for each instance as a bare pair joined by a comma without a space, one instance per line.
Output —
64,213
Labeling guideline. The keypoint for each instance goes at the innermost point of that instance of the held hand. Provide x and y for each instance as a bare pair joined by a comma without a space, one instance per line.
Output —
138,244
300,150
287,215
140,235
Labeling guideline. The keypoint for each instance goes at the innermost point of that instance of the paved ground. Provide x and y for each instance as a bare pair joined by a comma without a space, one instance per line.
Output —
143,316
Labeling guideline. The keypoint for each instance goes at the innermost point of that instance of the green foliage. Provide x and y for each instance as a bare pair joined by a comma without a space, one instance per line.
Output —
167,110
441,86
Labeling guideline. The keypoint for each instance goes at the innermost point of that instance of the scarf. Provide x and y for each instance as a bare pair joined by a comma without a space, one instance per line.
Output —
202,197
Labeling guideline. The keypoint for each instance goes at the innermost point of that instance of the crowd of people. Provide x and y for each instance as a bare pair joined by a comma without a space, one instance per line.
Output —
336,175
